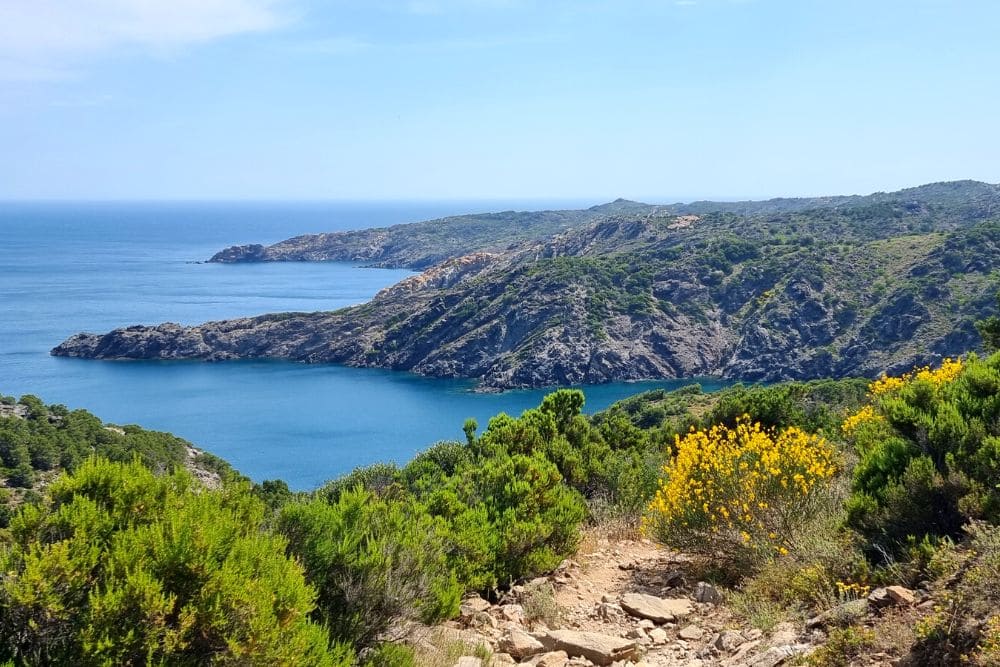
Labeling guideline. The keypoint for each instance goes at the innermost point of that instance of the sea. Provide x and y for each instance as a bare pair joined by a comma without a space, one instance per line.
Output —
67,267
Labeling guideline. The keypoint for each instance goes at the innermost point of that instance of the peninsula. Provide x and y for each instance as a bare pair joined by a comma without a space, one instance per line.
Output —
775,290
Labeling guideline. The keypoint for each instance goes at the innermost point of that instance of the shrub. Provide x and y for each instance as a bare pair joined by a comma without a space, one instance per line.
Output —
430,468
376,563
390,655
745,491
510,517
843,647
539,602
929,449
379,478
123,567
812,406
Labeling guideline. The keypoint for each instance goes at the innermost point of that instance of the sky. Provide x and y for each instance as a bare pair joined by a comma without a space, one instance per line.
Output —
656,100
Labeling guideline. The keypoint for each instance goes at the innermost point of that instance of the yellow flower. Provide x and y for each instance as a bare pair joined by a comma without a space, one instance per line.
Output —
737,483
862,416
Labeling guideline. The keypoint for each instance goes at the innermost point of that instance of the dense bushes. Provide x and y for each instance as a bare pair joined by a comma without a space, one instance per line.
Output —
812,406
117,565
123,567
376,563
510,516
929,448
500,502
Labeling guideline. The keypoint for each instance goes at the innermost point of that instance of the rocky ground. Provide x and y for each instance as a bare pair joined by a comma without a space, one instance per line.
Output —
634,604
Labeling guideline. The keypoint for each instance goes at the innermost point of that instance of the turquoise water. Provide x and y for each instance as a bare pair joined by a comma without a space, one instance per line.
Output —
66,268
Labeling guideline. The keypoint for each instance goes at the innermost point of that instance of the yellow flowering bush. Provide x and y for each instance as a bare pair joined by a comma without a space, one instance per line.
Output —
741,489
886,384
863,416
945,373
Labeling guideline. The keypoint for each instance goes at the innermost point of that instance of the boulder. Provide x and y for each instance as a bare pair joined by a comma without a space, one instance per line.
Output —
472,605
729,640
469,661
879,598
901,596
519,644
658,610
599,649
691,632
706,592
552,659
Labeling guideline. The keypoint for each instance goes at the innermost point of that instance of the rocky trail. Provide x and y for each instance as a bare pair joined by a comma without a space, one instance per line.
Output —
634,604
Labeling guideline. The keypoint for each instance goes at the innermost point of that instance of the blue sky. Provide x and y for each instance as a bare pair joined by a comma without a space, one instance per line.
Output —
429,99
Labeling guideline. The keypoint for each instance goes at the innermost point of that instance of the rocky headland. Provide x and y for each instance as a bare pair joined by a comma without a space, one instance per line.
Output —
852,286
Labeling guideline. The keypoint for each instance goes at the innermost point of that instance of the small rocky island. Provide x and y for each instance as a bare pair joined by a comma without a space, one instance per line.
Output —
786,289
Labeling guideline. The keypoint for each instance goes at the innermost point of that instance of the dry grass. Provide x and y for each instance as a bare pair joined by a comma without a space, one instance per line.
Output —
441,647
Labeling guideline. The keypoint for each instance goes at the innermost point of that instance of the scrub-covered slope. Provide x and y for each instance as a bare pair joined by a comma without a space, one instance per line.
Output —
843,290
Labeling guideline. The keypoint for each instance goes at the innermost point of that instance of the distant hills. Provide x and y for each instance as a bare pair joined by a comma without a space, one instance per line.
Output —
768,290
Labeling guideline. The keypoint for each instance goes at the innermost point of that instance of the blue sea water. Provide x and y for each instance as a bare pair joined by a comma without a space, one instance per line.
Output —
69,267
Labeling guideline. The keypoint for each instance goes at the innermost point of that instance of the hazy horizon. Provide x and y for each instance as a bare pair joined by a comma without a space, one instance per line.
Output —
574,202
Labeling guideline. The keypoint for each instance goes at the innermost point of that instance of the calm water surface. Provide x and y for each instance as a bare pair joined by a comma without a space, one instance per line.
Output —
75,267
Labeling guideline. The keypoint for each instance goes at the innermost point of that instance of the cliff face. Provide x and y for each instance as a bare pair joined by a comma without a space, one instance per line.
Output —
827,292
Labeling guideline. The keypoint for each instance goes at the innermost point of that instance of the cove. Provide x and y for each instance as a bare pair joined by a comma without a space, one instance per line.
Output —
92,267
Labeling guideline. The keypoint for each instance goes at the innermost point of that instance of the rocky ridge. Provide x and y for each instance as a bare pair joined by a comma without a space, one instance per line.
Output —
423,244
800,295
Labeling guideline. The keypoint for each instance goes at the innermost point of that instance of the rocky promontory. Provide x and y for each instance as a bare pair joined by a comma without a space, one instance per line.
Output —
825,293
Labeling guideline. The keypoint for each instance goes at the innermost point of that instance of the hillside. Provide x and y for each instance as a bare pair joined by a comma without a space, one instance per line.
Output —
420,245
423,244
836,291
38,442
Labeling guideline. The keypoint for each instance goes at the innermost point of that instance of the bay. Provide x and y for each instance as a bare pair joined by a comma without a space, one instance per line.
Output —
70,266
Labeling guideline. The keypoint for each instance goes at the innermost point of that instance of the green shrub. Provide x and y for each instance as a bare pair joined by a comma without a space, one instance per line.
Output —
376,563
431,467
929,449
843,647
812,406
123,567
390,655
509,517
379,478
